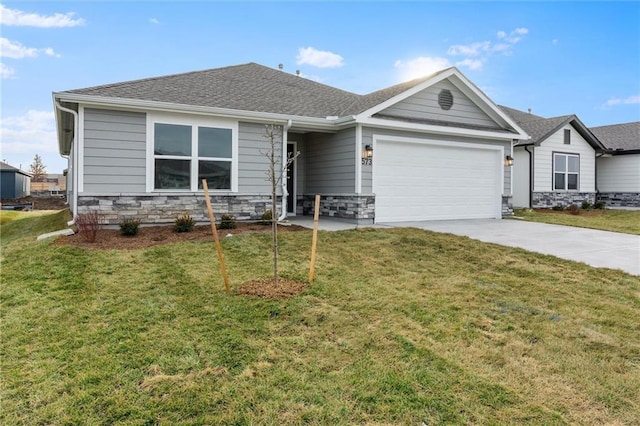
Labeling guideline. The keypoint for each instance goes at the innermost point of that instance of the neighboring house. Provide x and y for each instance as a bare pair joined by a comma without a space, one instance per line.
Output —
557,166
618,170
431,148
14,183
51,184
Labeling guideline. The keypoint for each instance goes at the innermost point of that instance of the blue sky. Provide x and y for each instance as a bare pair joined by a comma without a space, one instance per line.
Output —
556,58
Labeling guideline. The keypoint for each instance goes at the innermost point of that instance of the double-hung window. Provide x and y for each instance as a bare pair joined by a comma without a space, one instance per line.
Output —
566,172
184,154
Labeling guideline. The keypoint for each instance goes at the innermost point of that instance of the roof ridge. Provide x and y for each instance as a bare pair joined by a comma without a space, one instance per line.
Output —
160,77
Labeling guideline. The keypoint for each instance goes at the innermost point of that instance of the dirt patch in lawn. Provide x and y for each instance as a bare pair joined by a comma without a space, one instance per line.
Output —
148,236
581,212
38,202
266,289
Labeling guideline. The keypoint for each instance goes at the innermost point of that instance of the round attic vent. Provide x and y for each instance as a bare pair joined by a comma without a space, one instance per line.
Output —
445,99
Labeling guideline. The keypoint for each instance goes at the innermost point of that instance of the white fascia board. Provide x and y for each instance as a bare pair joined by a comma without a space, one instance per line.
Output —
138,104
441,130
404,95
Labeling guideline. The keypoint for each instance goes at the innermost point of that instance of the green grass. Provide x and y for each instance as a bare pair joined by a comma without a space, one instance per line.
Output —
20,225
625,221
401,326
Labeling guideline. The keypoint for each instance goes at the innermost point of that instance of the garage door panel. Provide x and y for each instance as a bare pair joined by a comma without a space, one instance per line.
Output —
436,181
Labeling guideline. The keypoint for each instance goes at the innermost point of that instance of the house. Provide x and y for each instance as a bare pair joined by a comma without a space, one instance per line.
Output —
51,184
618,170
14,182
431,148
557,166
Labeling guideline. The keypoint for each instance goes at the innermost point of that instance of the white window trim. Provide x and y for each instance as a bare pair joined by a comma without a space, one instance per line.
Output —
194,121
566,172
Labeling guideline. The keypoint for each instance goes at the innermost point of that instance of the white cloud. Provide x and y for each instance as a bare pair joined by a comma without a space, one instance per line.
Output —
472,64
420,67
33,133
486,48
154,21
318,58
16,50
18,18
635,99
473,49
6,72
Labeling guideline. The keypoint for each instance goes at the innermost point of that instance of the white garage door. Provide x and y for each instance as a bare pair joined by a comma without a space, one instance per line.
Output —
416,179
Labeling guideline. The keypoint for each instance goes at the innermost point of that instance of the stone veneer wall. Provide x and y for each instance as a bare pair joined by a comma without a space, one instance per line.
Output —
164,208
360,208
620,199
542,200
507,206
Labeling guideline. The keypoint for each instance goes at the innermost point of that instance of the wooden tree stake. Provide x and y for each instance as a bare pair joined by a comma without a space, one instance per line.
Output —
314,243
212,219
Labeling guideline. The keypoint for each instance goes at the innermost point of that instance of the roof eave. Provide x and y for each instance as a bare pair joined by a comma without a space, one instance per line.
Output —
441,130
139,104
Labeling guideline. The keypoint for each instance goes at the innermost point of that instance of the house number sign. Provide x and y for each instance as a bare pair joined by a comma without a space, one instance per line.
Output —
367,161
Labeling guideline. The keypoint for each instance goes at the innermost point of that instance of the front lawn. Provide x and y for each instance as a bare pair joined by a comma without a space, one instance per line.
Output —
401,326
625,221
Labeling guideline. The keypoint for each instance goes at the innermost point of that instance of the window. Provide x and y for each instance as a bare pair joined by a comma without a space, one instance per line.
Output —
566,170
186,154
567,136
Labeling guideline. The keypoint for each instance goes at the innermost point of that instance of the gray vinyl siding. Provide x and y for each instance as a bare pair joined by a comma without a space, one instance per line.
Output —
424,106
367,139
114,151
330,163
252,164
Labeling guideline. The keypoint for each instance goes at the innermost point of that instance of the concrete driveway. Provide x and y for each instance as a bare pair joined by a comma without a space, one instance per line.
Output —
601,249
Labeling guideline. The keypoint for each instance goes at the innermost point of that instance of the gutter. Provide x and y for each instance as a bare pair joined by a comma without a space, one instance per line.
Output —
103,101
285,193
75,176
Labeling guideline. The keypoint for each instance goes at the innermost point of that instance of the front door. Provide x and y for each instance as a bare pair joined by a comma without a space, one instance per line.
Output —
291,180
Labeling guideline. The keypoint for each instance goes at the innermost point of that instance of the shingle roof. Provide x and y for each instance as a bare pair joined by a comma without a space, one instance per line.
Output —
622,137
7,167
540,128
248,87
537,127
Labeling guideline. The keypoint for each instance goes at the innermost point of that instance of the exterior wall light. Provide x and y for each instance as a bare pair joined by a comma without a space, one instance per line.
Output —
508,161
368,151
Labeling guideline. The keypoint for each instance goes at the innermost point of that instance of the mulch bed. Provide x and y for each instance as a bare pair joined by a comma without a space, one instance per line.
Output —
587,213
149,236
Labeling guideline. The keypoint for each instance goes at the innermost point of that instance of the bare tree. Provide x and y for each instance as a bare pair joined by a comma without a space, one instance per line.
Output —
37,169
276,172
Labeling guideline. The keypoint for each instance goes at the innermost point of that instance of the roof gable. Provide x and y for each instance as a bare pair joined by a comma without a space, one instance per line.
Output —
540,128
417,101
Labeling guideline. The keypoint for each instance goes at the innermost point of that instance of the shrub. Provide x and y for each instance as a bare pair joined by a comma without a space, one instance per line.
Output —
558,208
586,205
227,221
89,224
183,223
599,205
266,218
129,227
573,209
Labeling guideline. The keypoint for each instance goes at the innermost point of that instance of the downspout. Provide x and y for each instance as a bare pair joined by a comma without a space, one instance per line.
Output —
595,170
285,138
75,156
526,148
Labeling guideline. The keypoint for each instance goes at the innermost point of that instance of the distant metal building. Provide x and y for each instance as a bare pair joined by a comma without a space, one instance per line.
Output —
14,183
